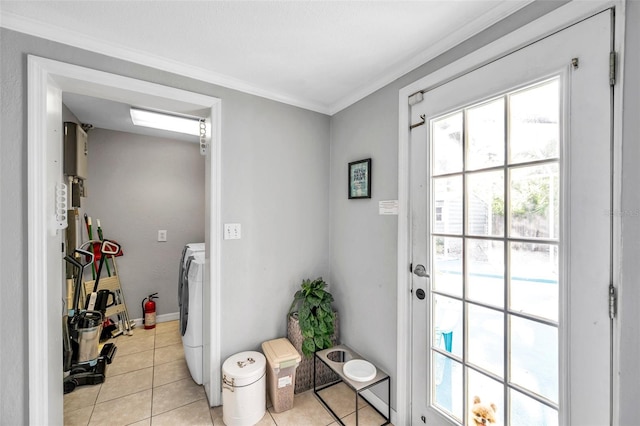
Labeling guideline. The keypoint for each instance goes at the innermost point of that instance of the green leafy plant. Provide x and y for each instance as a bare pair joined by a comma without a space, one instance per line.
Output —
315,315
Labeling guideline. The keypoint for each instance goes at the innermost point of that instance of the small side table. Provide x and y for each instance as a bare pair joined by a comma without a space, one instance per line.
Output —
343,354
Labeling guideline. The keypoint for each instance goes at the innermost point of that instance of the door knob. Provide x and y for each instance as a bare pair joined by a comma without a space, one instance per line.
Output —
421,271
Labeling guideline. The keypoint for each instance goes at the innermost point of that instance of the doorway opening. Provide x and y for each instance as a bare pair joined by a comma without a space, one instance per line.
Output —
47,80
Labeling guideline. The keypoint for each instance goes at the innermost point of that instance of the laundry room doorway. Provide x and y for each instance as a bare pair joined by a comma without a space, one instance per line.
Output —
140,182
47,81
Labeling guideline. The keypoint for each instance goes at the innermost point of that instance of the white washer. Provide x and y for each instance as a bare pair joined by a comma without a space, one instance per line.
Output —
191,314
187,251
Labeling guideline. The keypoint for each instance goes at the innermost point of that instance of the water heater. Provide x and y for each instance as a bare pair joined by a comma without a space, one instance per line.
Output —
76,150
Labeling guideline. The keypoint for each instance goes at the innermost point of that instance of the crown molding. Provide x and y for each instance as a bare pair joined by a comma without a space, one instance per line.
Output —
486,20
83,41
72,38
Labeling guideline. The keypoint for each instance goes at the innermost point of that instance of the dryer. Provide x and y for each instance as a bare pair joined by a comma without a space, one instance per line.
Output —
191,320
187,251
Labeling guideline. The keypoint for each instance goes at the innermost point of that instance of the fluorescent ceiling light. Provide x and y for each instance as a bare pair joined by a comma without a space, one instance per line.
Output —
173,123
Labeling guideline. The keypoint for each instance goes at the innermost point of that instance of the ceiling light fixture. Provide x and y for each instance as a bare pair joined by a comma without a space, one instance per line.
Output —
159,120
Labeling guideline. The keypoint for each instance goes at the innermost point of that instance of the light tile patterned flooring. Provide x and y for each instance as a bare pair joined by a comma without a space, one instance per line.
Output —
149,383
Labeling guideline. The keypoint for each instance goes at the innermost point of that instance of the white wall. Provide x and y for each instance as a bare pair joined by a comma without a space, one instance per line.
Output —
137,185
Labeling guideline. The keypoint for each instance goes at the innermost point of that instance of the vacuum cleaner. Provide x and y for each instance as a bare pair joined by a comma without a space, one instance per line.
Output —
84,363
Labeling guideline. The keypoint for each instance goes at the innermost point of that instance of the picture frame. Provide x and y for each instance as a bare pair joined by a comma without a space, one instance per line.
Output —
359,173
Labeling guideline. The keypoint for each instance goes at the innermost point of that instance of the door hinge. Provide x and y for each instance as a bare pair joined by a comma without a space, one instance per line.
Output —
613,301
612,68
575,63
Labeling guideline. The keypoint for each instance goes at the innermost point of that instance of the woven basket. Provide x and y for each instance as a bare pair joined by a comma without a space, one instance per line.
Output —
304,372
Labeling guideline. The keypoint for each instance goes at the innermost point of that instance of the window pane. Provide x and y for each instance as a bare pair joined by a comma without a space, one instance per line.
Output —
534,206
486,339
447,193
489,392
534,123
485,271
447,386
446,271
446,143
534,279
528,411
534,357
447,324
485,203
494,221
485,127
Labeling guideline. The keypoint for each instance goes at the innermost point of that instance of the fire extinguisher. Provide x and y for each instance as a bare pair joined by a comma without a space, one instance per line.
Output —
149,311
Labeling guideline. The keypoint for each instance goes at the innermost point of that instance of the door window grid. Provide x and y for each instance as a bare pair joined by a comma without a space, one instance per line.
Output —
470,238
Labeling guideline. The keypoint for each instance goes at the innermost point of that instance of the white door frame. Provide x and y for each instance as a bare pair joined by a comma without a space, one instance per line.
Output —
44,75
548,24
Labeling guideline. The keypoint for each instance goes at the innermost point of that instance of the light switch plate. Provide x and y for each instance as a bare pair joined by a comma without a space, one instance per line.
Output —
232,231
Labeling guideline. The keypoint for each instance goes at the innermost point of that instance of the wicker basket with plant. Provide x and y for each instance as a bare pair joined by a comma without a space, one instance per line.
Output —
313,326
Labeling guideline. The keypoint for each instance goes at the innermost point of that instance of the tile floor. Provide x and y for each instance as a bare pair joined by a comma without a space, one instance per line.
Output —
148,383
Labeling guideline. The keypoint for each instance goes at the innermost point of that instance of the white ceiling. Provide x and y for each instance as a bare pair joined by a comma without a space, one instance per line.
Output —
319,55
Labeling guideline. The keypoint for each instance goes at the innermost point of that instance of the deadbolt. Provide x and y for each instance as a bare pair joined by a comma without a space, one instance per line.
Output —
420,293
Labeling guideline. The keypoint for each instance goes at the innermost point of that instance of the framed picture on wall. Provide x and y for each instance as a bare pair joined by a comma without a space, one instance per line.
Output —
360,179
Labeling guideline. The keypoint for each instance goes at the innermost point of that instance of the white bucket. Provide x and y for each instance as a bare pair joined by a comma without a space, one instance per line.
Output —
244,389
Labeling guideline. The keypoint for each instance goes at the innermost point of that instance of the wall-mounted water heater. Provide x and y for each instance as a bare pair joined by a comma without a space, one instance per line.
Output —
76,154
76,150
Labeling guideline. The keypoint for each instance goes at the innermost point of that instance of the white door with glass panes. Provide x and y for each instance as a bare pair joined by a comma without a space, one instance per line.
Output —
511,238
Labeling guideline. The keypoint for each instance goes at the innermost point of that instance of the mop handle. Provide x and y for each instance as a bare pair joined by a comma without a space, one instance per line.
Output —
87,222
80,267
101,237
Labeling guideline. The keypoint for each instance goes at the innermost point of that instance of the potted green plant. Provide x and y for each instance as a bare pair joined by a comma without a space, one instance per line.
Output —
312,306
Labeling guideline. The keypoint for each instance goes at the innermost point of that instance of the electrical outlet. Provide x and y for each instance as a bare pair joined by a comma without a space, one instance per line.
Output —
232,231
162,235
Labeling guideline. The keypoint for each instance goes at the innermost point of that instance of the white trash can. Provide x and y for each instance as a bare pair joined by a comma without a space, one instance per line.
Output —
243,389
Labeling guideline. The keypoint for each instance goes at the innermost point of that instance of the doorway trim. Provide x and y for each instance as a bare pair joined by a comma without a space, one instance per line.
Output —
535,30
46,75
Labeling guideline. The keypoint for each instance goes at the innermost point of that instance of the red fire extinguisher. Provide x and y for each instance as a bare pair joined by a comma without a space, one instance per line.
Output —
149,311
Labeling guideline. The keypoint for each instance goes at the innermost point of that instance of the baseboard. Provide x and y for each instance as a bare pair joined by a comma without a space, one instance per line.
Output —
174,316
379,404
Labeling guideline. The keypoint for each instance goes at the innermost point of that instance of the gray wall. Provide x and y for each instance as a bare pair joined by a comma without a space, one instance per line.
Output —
364,243
136,186
275,162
